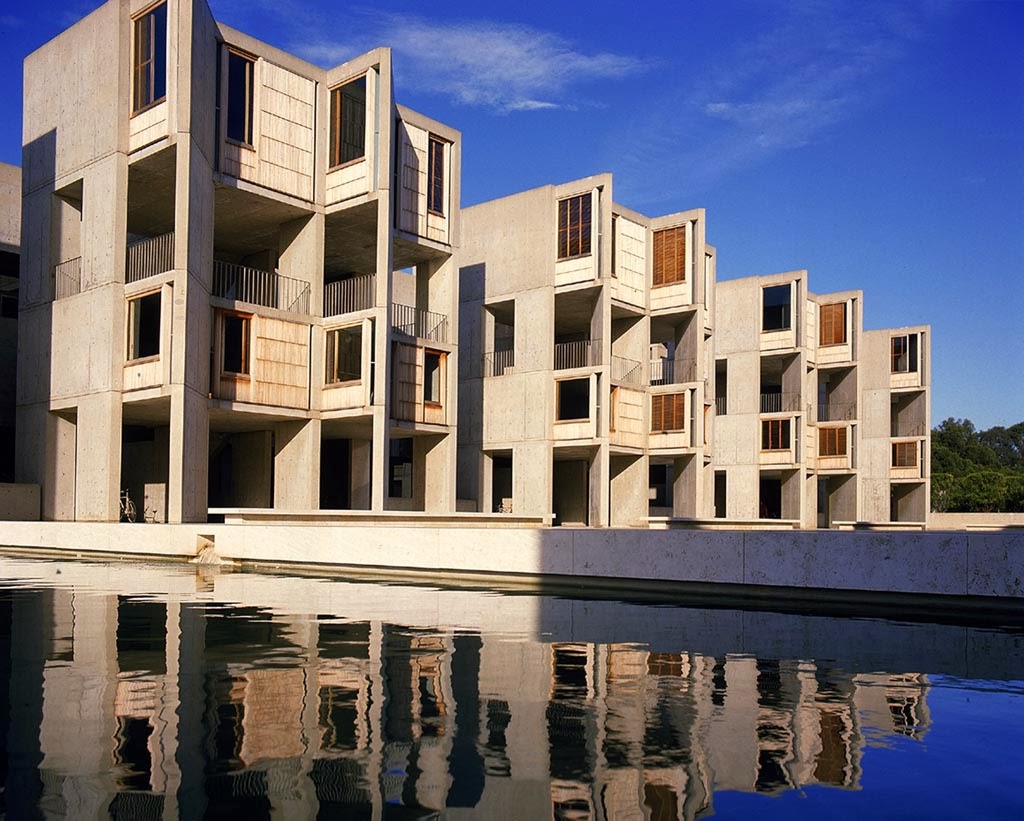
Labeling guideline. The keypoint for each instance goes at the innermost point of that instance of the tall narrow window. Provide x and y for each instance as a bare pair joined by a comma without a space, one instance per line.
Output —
775,434
574,226
241,71
433,377
832,324
149,80
904,354
348,122
235,343
344,355
144,326
776,311
670,256
832,441
668,412
435,176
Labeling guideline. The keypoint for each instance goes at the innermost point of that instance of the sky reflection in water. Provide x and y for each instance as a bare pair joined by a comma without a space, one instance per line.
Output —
149,692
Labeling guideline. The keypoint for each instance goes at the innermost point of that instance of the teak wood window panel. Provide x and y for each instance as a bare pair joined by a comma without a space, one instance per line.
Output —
832,324
149,59
435,176
348,122
670,256
574,226
241,93
775,434
904,454
832,441
668,412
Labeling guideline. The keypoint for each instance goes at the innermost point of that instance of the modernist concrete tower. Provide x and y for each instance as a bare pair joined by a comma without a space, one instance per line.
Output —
237,282
585,390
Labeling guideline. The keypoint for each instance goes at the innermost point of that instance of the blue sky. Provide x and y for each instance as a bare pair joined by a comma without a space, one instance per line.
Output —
878,145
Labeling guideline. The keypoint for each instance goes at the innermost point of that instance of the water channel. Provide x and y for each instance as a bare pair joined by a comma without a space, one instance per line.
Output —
160,691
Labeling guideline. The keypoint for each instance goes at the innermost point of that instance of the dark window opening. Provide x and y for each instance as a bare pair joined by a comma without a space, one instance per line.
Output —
144,326
240,97
236,344
433,364
659,492
904,354
348,122
400,469
344,355
573,400
721,489
776,312
150,59
435,176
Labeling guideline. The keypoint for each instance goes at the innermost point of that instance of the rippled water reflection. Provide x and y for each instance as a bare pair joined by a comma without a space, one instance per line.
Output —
150,692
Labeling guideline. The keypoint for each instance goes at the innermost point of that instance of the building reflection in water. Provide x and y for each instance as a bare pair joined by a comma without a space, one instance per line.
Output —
176,705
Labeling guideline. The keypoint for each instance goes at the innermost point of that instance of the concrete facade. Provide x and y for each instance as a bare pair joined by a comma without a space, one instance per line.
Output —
237,285
10,245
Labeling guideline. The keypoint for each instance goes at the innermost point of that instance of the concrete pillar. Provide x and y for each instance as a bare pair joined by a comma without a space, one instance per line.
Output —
600,489
684,486
57,477
188,456
297,465
360,466
98,458
629,491
381,356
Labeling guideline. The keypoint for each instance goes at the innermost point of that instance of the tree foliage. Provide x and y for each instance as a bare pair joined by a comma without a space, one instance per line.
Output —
977,471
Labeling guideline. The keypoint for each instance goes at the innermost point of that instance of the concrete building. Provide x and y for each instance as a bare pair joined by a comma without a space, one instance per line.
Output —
585,328
10,244
237,286
817,421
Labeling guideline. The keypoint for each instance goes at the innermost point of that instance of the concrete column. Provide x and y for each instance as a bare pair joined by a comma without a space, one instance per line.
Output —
57,477
629,485
381,356
98,458
188,456
297,465
600,489
684,486
360,461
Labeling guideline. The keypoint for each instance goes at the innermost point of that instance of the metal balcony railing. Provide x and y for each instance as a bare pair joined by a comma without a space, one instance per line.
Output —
898,428
497,362
418,323
780,402
837,411
720,406
148,257
627,371
252,285
584,353
353,294
665,371
67,278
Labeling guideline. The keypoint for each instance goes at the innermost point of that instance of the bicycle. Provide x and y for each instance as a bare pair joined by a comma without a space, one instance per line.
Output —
127,507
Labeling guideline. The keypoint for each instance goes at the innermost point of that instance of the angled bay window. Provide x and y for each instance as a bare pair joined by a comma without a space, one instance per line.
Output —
832,441
832,324
348,122
775,434
776,314
344,355
670,256
668,412
574,226
435,176
241,72
904,354
144,326
149,58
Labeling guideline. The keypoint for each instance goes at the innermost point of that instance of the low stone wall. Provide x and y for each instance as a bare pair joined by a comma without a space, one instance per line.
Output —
975,521
967,565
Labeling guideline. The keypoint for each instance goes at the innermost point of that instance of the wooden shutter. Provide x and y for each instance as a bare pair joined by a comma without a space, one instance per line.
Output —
668,412
574,226
832,441
832,322
670,255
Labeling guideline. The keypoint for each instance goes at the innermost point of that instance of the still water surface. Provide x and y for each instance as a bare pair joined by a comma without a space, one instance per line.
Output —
135,691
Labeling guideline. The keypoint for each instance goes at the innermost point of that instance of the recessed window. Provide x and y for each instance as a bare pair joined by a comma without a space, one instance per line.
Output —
573,400
574,226
670,256
435,176
904,354
241,71
776,312
832,324
832,441
668,412
344,355
433,377
144,326
149,76
235,343
775,434
904,454
348,122
400,469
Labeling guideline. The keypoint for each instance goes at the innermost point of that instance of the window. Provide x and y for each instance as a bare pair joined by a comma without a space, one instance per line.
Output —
775,434
433,377
832,324
670,256
573,400
574,226
235,339
435,176
668,412
348,122
144,326
344,355
776,314
240,95
832,441
904,454
904,354
149,77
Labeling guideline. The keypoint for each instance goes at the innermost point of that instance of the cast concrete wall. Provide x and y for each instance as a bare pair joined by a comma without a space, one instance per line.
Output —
18,503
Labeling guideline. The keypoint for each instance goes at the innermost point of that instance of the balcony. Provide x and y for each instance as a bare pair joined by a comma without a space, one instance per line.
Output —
272,290
496,363
666,371
627,371
584,353
347,295
780,402
67,278
837,411
420,324
148,257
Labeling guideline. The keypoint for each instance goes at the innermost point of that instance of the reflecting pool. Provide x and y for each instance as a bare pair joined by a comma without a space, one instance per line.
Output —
155,691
